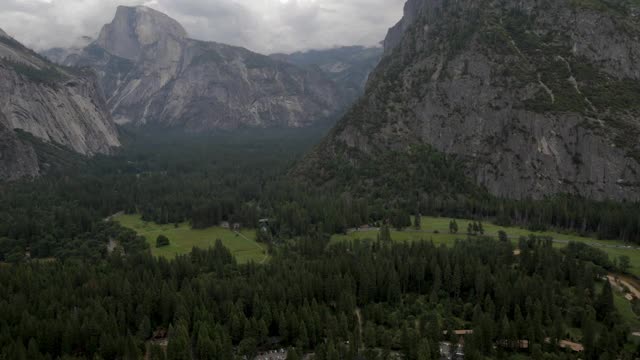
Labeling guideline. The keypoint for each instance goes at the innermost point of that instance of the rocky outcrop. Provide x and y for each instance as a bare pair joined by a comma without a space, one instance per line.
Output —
53,104
349,67
412,10
151,73
135,28
18,159
536,97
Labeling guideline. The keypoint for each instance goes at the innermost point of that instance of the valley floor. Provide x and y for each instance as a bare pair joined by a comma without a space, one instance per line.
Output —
183,239
437,230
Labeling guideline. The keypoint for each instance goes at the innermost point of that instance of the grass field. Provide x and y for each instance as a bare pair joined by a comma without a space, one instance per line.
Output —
431,225
183,238
624,307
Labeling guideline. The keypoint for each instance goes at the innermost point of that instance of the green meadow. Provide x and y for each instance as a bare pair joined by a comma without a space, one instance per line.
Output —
437,230
183,239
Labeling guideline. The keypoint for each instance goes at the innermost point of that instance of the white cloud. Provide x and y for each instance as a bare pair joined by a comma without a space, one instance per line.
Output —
261,25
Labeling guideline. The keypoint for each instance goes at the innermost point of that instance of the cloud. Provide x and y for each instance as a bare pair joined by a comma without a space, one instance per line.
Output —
265,26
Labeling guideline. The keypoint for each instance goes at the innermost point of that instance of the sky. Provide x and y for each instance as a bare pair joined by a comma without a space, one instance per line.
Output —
265,26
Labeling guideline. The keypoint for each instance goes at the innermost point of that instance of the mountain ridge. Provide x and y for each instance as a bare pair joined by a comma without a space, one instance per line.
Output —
533,107
56,105
152,73
348,66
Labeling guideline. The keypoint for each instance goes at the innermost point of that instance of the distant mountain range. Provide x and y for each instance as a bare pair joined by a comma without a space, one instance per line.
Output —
349,67
152,73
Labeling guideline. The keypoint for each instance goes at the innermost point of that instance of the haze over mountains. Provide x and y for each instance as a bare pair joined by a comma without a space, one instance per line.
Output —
527,95
349,67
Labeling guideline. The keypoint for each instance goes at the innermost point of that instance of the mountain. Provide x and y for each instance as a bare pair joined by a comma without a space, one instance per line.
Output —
152,73
533,97
55,105
349,67
58,55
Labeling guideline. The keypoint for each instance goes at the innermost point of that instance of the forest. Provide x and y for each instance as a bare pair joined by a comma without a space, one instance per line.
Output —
365,300
64,294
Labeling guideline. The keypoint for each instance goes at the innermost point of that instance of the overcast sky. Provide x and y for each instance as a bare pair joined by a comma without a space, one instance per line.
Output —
265,26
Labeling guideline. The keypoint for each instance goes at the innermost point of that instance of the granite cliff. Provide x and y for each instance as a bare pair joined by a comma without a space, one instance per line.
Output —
535,97
152,73
53,104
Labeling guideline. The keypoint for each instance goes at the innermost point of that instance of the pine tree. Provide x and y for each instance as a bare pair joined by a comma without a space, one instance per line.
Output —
144,330
589,338
604,304
178,347
292,354
303,337
205,347
156,352
453,226
33,353
424,351
624,263
132,352
385,234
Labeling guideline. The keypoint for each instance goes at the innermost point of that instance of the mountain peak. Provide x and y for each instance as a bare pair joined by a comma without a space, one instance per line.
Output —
135,27
3,34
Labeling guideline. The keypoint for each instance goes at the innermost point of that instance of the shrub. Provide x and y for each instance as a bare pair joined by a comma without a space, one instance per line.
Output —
162,241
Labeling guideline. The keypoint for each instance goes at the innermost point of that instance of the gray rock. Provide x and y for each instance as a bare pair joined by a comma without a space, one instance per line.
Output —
53,104
537,97
151,73
134,28
17,158
349,67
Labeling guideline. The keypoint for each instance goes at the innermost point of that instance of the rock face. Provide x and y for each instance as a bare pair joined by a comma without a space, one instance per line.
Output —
536,97
53,104
18,159
151,73
135,28
412,10
349,67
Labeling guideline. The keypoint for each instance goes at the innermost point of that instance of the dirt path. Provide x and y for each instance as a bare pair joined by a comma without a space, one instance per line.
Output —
627,285
266,256
631,284
113,244
109,218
